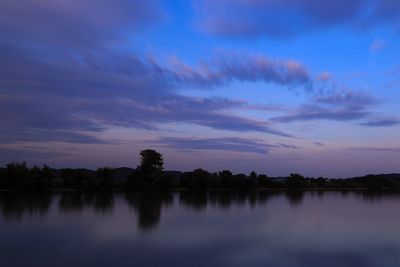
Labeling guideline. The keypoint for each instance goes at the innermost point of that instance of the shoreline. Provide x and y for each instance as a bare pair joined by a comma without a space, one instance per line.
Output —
67,190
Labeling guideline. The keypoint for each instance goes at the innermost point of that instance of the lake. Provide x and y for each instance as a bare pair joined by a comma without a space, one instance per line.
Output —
300,229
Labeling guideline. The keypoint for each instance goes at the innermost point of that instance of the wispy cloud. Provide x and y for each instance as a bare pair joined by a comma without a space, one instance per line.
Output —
318,144
382,122
279,19
313,112
27,154
225,68
347,98
225,144
377,149
377,45
75,24
75,101
337,105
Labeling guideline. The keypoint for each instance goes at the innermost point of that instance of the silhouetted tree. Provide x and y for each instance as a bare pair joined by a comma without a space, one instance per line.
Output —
104,176
78,178
166,181
149,170
295,180
226,178
16,175
136,181
197,179
253,180
240,181
150,161
40,178
321,182
264,181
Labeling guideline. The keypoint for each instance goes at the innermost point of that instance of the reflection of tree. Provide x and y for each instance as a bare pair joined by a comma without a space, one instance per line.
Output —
77,201
194,199
252,198
264,196
222,199
14,205
201,199
104,201
71,201
320,193
148,207
295,197
376,195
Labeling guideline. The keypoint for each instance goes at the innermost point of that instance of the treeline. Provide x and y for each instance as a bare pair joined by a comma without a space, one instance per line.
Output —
150,175
18,176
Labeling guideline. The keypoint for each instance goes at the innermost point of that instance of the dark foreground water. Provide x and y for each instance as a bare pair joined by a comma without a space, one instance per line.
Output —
200,229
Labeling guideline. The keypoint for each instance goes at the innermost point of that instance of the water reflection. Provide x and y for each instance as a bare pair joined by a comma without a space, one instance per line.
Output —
13,205
204,228
77,201
295,197
148,207
225,199
197,200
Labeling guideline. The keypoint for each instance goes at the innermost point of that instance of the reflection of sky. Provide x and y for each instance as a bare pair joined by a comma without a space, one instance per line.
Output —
330,229
86,91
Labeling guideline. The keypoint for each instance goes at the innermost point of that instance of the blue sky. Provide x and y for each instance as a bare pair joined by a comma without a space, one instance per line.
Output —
273,86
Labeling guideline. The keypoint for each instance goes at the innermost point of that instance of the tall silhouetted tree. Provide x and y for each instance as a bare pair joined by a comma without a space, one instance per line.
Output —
150,161
253,180
149,171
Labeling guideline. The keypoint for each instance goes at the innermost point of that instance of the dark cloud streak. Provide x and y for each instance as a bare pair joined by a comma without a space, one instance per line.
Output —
385,122
286,18
232,144
75,24
313,112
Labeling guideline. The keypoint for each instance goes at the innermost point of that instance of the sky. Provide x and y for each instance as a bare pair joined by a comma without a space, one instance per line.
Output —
275,86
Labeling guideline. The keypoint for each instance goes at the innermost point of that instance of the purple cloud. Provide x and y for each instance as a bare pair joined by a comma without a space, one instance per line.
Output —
26,154
313,112
348,98
75,23
318,144
75,101
225,144
384,122
343,105
240,67
377,45
284,18
377,149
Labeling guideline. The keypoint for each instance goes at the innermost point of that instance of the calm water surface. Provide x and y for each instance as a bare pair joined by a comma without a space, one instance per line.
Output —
200,229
